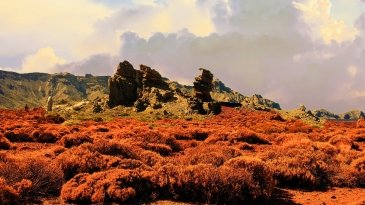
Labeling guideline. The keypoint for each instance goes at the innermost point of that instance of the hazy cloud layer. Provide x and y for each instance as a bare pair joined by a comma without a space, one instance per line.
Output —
292,51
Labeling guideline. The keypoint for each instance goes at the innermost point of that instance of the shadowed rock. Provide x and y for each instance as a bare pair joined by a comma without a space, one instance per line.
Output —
130,87
202,102
123,86
203,85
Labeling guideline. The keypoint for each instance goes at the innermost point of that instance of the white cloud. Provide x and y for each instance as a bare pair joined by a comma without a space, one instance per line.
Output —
291,52
32,24
44,60
317,14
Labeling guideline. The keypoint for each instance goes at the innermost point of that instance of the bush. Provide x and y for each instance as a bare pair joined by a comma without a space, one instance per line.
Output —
120,186
162,149
46,137
358,167
32,178
214,155
8,195
4,143
208,184
304,164
72,140
261,173
82,160
114,148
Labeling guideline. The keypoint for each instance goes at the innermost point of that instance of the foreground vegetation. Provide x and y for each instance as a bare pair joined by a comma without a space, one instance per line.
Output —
237,156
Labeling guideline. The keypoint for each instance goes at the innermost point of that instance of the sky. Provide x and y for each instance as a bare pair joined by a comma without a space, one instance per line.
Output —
294,52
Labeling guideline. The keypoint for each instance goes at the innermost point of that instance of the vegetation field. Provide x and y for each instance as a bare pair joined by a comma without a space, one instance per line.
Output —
239,156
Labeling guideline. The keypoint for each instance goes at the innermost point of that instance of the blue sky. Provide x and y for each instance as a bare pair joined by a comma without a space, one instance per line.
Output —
291,51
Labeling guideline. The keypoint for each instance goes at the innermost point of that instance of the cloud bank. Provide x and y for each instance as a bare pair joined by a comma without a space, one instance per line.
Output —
291,51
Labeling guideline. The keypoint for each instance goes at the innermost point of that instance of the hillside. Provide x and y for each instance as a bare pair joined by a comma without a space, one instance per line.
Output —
33,89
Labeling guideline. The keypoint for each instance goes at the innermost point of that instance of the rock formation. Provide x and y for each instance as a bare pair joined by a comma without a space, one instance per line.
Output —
139,88
151,78
259,103
49,104
123,85
203,85
352,115
202,102
222,93
322,113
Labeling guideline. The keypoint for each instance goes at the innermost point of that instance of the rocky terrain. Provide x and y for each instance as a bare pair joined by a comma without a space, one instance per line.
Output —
139,138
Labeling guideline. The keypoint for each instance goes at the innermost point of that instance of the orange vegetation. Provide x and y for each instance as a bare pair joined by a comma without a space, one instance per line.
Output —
237,156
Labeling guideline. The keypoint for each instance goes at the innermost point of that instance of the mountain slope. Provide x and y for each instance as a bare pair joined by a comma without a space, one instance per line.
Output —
33,89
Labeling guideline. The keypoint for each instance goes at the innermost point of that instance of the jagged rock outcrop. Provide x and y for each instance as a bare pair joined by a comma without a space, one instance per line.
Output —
202,102
123,85
152,78
259,103
203,85
322,113
352,115
138,88
222,93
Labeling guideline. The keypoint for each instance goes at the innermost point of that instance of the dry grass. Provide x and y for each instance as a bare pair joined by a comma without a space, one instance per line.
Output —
236,157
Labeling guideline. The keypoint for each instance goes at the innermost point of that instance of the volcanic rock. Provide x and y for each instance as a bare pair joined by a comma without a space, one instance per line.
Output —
322,113
152,78
196,106
203,85
259,103
49,104
212,107
202,102
123,86
352,115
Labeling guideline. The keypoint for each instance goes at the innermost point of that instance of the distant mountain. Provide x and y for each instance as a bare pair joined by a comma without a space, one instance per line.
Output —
33,89
350,115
